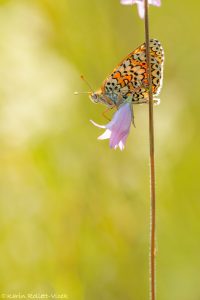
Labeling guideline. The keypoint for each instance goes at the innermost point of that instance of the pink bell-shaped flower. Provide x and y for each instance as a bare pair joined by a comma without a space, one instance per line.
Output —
140,5
118,128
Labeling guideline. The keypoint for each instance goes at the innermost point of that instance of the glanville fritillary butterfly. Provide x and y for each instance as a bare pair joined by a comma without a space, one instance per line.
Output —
129,79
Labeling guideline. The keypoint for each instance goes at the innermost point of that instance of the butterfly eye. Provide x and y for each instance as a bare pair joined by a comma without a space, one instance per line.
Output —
94,98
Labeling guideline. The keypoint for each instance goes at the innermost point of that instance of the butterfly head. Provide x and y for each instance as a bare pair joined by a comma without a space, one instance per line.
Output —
95,97
100,97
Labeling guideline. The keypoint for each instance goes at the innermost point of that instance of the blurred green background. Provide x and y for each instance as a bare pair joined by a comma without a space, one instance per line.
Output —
74,215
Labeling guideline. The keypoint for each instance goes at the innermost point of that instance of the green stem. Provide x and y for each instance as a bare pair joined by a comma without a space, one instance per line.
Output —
152,165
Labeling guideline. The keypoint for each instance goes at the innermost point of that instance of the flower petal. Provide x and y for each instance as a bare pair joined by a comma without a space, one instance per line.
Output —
155,2
121,125
128,2
118,137
97,125
118,128
121,145
123,142
105,135
121,118
140,6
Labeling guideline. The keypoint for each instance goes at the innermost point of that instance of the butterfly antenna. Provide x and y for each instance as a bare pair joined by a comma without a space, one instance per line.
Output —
83,78
91,90
77,93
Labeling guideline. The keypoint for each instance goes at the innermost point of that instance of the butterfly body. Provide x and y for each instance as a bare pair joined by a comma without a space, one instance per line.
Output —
129,79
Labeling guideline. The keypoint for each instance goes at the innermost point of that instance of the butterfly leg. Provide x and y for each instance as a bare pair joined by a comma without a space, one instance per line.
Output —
156,101
105,112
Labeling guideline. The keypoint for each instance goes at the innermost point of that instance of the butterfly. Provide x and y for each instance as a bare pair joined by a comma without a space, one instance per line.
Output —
129,80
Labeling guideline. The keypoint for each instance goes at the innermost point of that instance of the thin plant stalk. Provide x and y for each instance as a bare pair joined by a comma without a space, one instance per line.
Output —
152,270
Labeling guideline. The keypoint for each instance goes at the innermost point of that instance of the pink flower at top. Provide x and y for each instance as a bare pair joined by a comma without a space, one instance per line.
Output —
140,5
118,128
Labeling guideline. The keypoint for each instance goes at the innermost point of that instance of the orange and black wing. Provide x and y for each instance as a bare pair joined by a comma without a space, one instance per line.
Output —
130,76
